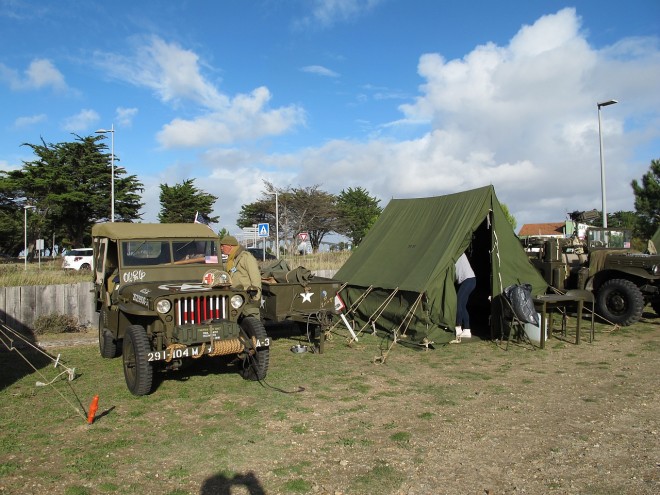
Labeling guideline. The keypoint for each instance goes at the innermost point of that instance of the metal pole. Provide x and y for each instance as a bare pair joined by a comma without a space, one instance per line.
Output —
25,236
25,209
112,168
277,226
112,177
602,160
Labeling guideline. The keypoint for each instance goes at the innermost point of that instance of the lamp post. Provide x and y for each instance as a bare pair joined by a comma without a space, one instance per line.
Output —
277,226
25,253
112,165
602,159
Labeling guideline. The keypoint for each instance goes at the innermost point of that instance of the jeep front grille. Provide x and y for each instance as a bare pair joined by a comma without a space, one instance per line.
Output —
196,309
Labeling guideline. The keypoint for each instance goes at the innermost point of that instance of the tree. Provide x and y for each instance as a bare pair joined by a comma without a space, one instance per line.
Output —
647,200
179,203
357,213
303,209
511,219
69,186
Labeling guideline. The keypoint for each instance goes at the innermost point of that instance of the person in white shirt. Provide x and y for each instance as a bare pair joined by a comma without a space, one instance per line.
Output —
466,283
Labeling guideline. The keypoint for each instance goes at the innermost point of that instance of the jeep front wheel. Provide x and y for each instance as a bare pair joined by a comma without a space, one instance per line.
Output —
620,301
255,364
138,371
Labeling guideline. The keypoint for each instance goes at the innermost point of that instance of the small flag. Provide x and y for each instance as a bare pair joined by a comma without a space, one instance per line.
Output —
203,219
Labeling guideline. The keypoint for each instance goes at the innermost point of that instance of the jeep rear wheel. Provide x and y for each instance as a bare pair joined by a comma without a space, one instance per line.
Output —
138,372
107,343
620,301
255,364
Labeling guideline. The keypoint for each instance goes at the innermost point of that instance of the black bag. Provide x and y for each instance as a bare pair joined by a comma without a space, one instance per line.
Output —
520,297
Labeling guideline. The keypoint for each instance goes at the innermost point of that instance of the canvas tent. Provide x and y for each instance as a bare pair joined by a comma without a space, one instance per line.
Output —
401,277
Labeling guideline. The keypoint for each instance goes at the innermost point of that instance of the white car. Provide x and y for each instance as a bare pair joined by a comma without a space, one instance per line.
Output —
78,259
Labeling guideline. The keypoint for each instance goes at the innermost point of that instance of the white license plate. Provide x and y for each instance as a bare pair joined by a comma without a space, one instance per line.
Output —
169,354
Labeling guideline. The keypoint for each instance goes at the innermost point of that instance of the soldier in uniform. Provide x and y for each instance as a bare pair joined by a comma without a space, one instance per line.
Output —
244,271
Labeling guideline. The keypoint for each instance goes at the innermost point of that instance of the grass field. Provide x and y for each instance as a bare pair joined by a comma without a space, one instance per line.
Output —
469,419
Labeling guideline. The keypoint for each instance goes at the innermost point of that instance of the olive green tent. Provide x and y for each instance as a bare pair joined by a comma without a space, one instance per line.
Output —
401,277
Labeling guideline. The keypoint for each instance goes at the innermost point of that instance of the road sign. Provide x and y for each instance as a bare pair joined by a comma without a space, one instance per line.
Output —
303,236
262,229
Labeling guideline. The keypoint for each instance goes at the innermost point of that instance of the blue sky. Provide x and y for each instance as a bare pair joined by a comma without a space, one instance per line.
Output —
404,98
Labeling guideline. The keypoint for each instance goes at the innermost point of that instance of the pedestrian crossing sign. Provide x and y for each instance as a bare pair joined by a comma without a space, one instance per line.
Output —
262,230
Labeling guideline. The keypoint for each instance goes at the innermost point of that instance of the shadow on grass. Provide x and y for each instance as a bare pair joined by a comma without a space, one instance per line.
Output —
219,484
19,356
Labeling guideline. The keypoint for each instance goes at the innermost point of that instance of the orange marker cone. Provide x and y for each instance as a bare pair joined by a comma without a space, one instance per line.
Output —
93,407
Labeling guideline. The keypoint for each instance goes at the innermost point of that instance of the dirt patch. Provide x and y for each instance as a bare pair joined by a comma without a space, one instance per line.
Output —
471,418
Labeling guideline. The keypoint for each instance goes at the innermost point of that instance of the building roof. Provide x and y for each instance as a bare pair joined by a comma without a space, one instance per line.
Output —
554,229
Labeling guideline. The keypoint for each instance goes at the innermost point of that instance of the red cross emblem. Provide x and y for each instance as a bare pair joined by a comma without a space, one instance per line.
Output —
209,278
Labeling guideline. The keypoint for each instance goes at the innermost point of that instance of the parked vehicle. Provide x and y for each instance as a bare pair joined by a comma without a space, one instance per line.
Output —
163,300
622,280
78,259
299,296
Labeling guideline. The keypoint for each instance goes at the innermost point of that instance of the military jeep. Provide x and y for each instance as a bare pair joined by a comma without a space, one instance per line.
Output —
622,280
164,300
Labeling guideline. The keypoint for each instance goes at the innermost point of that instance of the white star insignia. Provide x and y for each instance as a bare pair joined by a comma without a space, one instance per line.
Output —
306,296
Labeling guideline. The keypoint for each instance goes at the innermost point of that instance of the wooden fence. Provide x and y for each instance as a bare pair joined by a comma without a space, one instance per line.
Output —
21,306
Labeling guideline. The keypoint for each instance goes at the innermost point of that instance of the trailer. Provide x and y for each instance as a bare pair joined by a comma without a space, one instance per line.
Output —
298,296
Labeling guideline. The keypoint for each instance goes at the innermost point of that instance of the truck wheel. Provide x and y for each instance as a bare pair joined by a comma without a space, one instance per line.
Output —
620,301
255,365
107,344
138,372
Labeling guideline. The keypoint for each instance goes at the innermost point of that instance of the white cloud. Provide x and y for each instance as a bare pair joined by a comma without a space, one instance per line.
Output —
174,73
521,117
176,76
245,118
40,73
325,13
30,120
82,121
319,70
125,116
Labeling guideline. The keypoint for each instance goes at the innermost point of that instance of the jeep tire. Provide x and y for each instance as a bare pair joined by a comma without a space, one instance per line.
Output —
138,371
620,301
255,364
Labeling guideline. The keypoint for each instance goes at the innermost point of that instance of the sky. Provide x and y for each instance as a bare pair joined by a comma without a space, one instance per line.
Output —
404,98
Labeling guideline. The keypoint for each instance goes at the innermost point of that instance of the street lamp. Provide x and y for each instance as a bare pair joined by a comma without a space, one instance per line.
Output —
277,226
25,253
602,159
112,165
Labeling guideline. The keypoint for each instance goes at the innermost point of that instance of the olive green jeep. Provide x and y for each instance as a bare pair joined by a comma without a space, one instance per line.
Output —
164,300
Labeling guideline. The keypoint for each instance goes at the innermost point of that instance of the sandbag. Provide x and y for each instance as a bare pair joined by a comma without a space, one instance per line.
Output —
520,297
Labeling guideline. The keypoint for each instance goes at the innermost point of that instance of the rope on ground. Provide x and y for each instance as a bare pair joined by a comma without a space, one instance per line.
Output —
71,372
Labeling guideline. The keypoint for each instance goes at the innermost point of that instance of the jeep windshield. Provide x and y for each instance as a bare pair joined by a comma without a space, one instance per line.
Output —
137,252
608,238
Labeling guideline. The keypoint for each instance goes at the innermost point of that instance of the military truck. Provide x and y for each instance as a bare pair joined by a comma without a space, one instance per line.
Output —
622,280
164,300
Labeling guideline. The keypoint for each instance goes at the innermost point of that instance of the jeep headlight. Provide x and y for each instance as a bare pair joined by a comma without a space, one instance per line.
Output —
237,301
655,270
163,306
